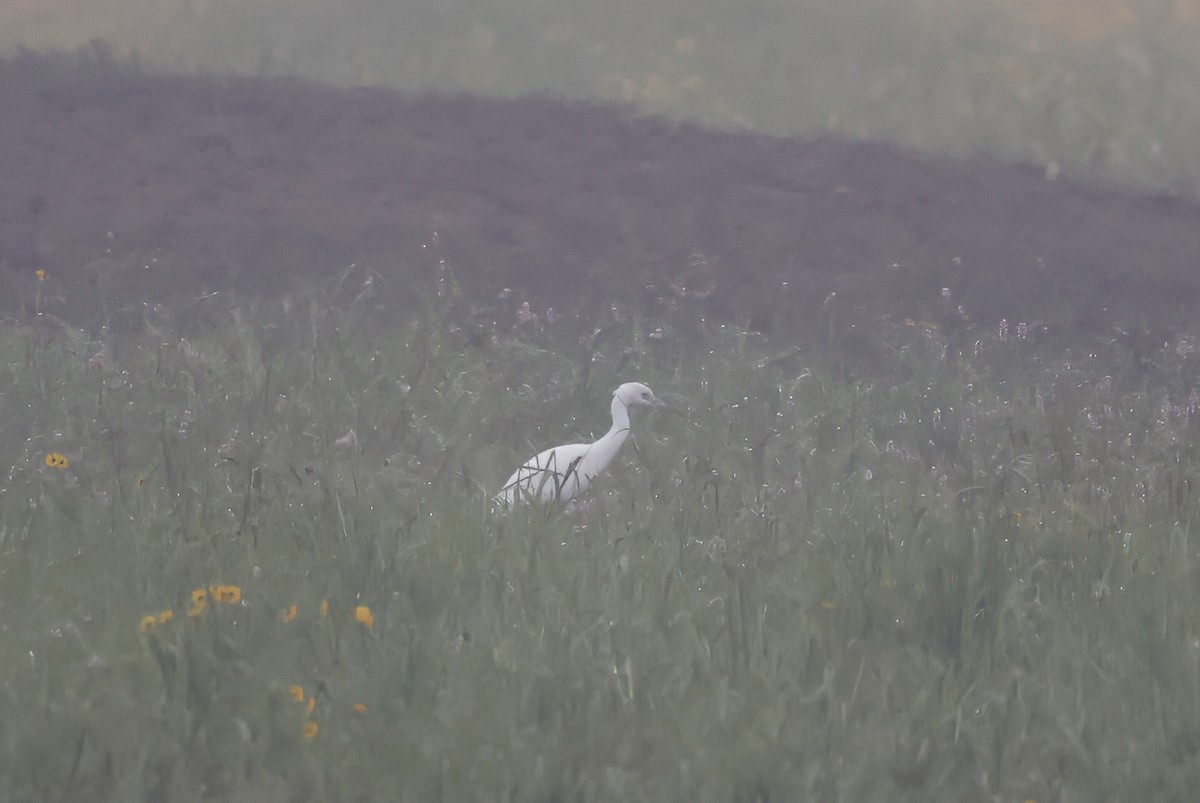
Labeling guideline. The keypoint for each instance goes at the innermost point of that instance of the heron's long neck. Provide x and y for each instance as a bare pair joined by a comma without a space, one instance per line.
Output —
620,423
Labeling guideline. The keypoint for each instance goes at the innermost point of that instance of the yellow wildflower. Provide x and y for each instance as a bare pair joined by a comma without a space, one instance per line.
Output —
312,703
165,616
199,603
363,614
297,693
147,623
310,729
57,460
325,607
230,595
41,274
360,708
290,613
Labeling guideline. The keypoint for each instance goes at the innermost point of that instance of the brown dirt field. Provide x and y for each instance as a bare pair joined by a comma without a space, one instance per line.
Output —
252,183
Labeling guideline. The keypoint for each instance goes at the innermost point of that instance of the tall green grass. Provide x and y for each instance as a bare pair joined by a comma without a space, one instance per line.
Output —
969,574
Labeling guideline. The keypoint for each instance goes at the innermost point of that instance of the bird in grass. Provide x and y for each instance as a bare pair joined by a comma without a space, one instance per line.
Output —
566,471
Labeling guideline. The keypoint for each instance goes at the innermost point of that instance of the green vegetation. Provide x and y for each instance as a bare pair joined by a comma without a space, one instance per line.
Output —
969,575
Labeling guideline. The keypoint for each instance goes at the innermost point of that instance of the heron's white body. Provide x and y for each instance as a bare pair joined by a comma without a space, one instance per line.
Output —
565,472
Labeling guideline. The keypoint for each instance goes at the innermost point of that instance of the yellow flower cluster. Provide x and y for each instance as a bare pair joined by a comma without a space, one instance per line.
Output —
232,595
227,595
362,614
151,621
310,705
223,594
311,728
57,460
199,603
299,696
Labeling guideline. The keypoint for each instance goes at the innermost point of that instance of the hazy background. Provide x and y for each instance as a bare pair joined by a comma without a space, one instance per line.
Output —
289,340
1092,88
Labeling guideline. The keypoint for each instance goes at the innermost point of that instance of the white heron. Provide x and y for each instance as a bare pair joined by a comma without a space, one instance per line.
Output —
566,471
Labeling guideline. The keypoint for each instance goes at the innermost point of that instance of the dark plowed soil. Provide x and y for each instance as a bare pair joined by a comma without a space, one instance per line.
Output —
247,183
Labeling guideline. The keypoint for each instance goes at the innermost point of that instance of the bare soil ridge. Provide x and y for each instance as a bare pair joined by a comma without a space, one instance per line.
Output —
251,181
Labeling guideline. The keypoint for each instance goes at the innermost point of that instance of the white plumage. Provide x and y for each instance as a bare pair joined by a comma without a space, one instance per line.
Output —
565,472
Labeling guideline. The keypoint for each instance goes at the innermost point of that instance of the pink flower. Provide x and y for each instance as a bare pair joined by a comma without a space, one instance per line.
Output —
349,439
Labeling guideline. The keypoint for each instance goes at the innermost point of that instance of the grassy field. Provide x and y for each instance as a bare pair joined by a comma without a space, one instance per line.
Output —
966,576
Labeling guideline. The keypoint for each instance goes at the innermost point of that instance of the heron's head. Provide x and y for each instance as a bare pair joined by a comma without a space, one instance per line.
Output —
632,393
